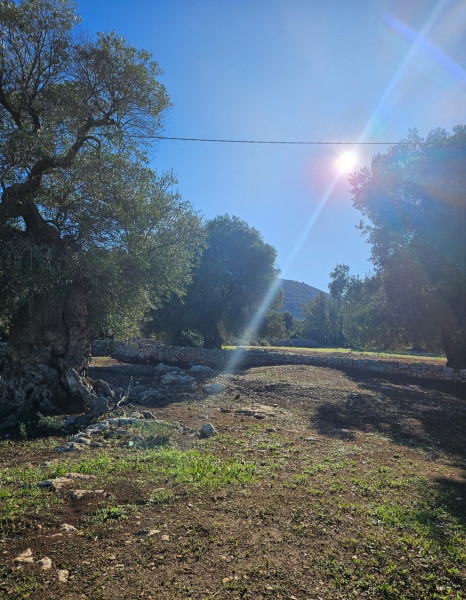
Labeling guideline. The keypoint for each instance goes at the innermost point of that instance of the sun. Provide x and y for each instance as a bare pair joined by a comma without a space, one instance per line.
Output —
346,162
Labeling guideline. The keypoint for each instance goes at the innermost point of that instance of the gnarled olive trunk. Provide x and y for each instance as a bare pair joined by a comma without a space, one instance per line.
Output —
47,359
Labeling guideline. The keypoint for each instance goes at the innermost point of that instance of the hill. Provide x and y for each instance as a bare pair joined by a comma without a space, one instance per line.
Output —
296,294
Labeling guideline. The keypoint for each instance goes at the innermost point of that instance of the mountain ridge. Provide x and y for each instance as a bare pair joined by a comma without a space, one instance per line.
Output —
297,293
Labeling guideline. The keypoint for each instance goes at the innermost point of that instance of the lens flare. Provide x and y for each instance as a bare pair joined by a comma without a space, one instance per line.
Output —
346,162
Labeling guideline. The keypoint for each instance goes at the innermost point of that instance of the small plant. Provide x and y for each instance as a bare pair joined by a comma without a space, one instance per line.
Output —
50,425
161,496
119,512
22,430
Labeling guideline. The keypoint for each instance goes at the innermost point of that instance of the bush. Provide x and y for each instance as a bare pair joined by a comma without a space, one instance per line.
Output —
191,338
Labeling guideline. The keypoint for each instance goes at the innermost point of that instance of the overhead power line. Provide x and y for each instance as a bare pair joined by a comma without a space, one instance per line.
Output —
308,143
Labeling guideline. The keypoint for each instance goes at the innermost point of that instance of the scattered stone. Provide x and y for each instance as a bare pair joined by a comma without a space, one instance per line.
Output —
79,494
152,532
165,538
45,563
173,379
162,368
201,369
102,388
207,430
81,439
59,482
71,447
63,575
66,527
214,388
147,414
24,557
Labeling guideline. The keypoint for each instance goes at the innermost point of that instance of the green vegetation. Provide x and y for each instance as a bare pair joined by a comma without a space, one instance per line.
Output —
414,199
91,237
236,270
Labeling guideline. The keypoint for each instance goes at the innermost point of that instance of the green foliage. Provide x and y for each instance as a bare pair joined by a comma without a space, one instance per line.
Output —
235,272
296,294
414,198
78,200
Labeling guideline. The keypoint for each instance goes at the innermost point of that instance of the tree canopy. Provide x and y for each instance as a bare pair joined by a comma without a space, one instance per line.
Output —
235,272
414,197
81,213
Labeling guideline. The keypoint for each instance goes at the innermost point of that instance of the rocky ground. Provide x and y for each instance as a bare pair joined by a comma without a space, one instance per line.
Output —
291,482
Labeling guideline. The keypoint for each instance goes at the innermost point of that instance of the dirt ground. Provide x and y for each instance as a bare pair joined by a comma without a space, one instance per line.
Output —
320,484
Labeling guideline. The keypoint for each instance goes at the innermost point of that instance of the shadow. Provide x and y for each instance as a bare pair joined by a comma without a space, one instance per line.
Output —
413,412
142,383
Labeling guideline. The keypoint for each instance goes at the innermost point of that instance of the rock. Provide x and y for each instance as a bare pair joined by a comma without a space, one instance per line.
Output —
147,414
162,368
68,528
207,430
59,482
45,563
79,494
24,557
63,575
152,532
71,447
201,369
214,388
173,379
81,439
102,388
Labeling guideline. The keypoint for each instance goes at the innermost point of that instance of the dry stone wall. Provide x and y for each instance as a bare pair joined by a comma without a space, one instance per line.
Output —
222,360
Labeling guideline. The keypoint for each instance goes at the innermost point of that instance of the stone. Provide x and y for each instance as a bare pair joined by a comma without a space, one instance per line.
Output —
67,528
201,369
173,379
71,447
102,388
214,388
79,494
162,368
45,563
207,430
63,575
81,439
24,557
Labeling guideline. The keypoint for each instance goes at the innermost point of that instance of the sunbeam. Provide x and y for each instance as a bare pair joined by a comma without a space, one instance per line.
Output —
418,41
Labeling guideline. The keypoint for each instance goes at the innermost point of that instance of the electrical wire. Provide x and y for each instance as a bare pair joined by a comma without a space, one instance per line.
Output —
308,143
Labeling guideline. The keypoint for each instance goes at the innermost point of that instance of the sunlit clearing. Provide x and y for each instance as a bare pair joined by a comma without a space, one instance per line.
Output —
346,162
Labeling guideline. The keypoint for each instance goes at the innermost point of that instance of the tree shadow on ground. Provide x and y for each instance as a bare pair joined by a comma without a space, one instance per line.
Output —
413,412
430,416
136,380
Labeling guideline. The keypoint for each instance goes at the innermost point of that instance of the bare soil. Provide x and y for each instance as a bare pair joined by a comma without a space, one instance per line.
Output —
357,491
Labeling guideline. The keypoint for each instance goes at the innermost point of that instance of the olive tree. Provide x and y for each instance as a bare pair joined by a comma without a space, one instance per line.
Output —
91,237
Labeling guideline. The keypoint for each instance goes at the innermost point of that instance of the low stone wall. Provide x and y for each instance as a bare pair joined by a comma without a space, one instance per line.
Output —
225,360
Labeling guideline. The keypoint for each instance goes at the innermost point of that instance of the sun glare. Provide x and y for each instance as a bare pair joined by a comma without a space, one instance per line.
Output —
346,162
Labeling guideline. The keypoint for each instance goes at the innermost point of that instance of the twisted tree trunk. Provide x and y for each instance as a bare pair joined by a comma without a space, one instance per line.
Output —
47,359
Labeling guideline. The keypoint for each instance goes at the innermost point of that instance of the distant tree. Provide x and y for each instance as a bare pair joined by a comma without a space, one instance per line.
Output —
235,272
90,236
273,323
414,196
322,321
289,322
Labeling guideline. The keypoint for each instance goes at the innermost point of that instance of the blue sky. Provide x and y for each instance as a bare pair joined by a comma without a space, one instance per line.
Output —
333,70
